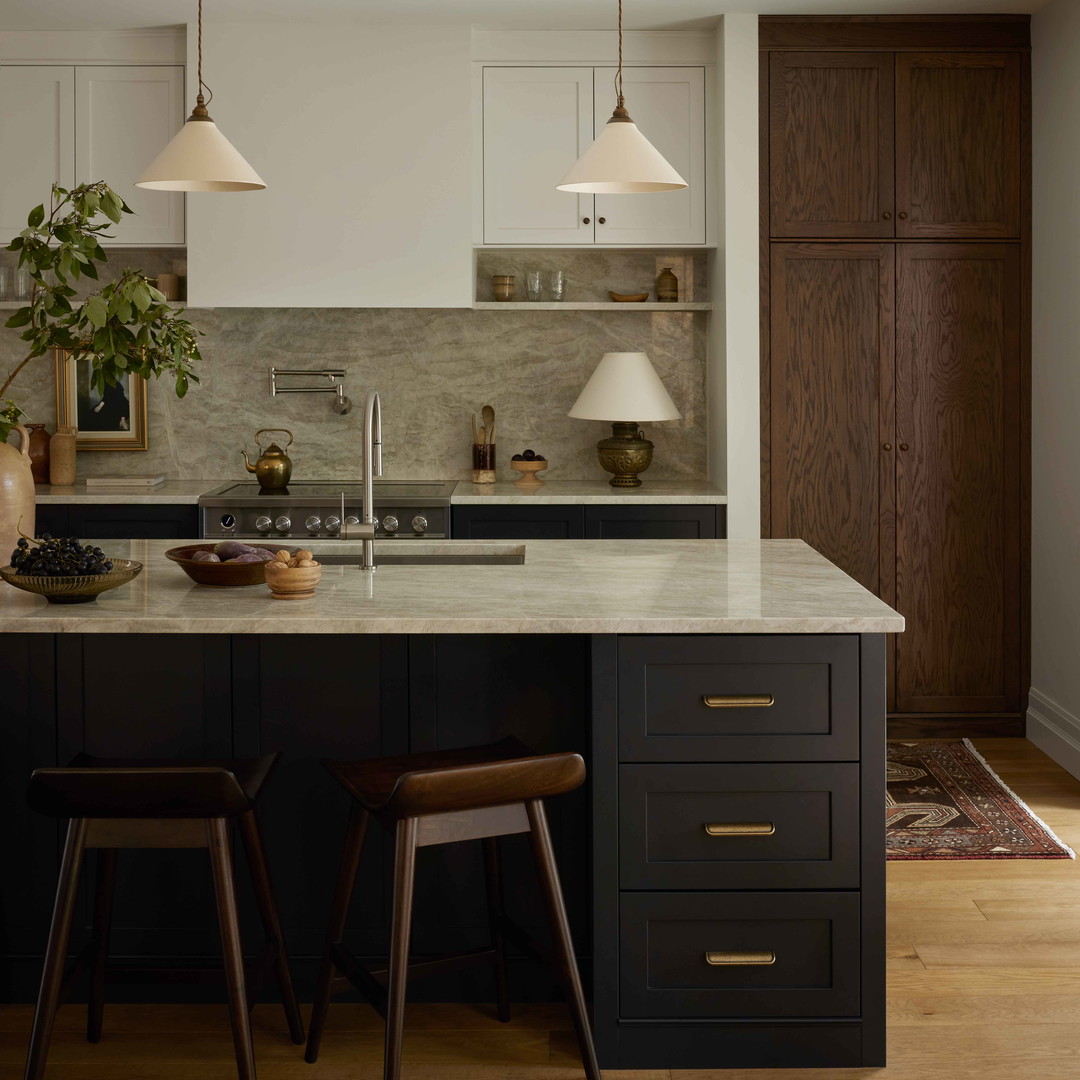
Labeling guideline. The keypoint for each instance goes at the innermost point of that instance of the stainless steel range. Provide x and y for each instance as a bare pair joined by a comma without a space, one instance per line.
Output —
403,510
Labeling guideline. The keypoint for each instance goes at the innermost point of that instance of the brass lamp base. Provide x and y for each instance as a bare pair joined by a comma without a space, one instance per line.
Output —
625,454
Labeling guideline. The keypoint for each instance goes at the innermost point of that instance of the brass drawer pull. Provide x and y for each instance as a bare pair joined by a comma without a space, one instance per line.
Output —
738,701
740,959
740,828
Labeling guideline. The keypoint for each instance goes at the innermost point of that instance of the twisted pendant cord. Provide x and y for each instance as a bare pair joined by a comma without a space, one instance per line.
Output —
202,85
618,70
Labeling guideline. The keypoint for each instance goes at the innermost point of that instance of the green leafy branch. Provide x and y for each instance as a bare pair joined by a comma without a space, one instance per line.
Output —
125,328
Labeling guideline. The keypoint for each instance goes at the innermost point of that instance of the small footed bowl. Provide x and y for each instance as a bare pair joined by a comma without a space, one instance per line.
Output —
528,470
628,298
292,582
73,590
220,573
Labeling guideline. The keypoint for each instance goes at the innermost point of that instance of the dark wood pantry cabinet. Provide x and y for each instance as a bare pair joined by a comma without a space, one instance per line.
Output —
896,321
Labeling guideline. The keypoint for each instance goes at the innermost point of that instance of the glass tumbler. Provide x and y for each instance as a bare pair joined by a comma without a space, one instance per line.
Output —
5,284
22,283
556,284
534,289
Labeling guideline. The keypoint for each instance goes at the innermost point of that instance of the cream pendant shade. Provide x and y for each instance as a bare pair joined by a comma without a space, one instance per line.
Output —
625,387
200,158
621,161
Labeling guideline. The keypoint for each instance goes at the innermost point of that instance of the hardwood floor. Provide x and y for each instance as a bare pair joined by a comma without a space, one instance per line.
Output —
984,984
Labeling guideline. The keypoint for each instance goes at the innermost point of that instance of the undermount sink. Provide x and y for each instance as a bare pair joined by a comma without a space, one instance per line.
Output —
510,557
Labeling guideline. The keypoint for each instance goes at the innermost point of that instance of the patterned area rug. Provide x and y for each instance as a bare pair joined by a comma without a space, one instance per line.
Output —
942,801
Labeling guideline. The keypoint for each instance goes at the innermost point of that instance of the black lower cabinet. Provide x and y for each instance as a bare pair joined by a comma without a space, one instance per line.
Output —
592,522
726,912
106,521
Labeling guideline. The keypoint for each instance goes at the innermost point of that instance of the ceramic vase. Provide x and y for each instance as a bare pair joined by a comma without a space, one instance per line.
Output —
667,287
39,453
62,457
16,493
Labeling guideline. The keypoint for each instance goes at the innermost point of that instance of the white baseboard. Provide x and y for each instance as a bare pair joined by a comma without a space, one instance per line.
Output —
1054,730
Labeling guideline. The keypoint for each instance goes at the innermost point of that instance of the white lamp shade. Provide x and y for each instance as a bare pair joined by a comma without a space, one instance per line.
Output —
200,158
621,161
624,386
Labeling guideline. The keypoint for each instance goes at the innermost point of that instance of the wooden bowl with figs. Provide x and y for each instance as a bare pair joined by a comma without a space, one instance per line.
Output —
228,563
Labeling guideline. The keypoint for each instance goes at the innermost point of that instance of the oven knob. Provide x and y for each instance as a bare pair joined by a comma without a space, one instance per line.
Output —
282,524
313,524
390,523
419,523
352,519
262,524
332,523
228,521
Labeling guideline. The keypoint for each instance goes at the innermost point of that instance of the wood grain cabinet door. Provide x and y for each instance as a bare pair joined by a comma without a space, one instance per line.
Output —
958,145
831,144
958,498
831,374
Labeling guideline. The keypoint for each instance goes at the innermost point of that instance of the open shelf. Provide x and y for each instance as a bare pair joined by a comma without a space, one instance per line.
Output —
591,305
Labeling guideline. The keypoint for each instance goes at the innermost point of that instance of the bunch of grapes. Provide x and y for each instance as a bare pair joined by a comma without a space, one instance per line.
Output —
64,557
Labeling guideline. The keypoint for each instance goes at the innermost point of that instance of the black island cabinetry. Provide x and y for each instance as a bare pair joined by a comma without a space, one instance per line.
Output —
724,870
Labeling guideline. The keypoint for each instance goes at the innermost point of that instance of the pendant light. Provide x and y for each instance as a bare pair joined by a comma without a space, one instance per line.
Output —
621,161
199,157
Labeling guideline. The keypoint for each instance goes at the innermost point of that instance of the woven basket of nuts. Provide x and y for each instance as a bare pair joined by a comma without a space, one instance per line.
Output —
293,577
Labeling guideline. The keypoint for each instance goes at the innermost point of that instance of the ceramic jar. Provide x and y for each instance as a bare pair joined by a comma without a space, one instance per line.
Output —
667,287
62,457
39,453
16,493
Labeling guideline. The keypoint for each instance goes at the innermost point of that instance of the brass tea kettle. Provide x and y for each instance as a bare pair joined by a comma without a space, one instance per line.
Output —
274,466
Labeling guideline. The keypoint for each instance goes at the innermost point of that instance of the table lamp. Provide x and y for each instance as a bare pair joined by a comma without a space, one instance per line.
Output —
625,390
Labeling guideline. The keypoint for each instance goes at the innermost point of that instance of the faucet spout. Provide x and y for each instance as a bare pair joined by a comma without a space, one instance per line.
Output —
373,466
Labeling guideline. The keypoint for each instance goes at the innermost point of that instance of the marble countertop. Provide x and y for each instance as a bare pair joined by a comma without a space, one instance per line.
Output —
557,491
676,492
171,492
563,586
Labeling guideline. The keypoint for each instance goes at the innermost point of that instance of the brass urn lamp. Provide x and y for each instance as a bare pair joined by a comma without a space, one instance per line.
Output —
625,390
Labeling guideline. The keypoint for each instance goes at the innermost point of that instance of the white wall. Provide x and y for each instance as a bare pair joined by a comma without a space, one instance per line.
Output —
1054,715
362,134
734,351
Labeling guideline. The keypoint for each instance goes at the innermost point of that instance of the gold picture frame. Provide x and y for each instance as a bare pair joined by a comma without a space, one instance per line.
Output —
117,421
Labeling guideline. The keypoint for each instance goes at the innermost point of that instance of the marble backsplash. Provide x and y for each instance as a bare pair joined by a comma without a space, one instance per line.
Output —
434,369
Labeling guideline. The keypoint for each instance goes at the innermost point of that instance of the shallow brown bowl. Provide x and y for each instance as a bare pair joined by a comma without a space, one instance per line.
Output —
218,573
73,590
628,298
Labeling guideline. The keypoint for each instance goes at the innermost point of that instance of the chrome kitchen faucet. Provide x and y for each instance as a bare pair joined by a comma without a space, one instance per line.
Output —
372,468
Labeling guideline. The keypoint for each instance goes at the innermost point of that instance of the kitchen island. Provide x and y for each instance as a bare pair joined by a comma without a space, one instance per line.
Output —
738,685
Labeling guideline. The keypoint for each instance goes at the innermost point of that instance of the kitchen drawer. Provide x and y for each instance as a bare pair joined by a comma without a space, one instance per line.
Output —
811,810
803,693
795,954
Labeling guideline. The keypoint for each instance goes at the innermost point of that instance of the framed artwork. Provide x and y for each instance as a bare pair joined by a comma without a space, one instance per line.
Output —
115,420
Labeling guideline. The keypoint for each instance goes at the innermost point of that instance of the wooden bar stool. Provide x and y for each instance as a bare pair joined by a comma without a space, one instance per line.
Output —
116,804
476,793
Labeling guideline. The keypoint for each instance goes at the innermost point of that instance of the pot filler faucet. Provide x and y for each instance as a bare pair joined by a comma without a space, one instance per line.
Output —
365,530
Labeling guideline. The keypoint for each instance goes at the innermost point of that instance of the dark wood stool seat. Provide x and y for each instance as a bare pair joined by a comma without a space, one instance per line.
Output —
157,803
474,793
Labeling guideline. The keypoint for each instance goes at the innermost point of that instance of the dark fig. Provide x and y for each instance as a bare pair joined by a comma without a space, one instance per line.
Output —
230,549
205,556
246,557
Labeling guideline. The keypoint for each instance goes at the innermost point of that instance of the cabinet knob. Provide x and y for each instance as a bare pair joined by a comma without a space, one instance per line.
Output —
887,446
903,446
585,220
602,220
902,215
887,216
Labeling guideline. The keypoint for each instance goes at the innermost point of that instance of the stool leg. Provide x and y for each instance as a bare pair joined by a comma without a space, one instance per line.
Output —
264,895
52,976
339,910
401,928
217,831
496,912
103,901
564,946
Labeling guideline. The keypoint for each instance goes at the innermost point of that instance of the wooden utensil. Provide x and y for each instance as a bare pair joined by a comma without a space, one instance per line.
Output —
488,414
475,431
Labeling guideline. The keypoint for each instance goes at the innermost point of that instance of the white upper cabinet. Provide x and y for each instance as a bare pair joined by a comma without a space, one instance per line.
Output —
537,122
37,140
124,116
668,106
